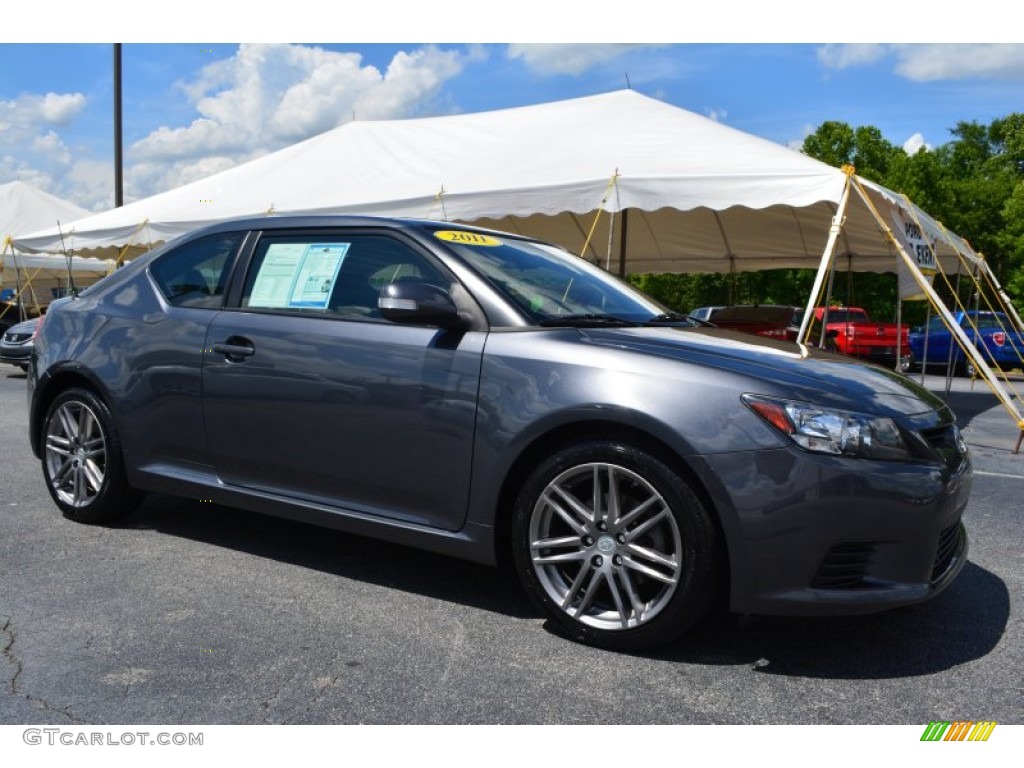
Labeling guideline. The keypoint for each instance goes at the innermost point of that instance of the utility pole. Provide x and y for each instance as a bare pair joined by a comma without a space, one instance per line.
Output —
118,159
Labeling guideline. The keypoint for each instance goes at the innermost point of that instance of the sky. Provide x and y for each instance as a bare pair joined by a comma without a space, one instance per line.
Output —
192,107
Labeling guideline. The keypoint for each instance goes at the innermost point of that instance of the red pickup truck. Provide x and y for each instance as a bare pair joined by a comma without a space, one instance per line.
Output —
850,331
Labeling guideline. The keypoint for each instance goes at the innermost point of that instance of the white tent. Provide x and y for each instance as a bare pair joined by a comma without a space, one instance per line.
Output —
690,194
41,272
24,208
625,180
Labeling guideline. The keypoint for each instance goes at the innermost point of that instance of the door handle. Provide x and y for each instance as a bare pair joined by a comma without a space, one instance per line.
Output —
235,349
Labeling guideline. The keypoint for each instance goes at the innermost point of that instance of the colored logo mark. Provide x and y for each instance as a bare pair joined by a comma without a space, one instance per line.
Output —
958,730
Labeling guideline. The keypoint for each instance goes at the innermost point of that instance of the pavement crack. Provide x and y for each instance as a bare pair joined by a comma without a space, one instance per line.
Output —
8,633
9,639
267,702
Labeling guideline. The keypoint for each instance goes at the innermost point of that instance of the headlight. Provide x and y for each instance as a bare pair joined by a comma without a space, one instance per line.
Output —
824,430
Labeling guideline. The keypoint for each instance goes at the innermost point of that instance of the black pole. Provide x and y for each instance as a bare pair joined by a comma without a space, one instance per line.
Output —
118,160
622,245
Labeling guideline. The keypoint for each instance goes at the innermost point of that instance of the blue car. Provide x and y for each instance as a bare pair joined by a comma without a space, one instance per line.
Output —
1001,345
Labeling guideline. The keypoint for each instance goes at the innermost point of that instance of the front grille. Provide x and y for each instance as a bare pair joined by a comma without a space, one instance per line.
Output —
949,543
844,566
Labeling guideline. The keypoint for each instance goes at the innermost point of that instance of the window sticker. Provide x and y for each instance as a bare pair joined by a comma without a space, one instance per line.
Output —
298,275
468,238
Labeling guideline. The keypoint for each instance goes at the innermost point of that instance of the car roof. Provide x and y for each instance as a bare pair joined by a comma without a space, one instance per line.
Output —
335,220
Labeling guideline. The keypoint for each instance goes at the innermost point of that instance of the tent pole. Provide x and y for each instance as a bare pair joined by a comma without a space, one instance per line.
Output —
1007,304
899,331
825,305
622,244
826,257
924,352
971,351
732,280
17,282
949,359
611,242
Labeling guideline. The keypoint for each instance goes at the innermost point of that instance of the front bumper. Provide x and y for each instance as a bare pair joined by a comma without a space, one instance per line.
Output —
809,534
15,355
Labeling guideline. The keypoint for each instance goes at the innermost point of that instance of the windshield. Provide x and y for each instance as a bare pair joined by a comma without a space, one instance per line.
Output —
748,314
846,316
551,285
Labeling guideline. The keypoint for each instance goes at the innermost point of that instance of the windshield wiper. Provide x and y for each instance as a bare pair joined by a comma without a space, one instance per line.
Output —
584,320
676,318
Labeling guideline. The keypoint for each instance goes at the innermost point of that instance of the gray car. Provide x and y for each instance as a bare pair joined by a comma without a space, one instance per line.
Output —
495,398
16,343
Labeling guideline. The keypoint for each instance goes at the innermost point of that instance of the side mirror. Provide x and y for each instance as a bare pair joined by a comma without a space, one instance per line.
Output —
416,303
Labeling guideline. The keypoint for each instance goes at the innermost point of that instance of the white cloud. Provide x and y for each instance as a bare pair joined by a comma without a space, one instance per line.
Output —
92,182
960,62
923,62
567,58
60,108
33,151
22,117
850,55
798,144
914,143
269,96
718,115
52,147
32,108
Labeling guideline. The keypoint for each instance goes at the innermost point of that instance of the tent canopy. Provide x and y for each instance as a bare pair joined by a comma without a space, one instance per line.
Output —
697,196
24,209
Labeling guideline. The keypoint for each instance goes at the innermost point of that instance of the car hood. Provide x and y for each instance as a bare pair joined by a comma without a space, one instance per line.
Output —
783,368
26,326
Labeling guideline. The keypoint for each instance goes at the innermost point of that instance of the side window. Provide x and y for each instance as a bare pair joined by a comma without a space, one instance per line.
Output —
195,274
339,276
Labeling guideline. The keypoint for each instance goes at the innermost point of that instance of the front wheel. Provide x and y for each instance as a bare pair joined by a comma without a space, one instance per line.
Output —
615,546
82,461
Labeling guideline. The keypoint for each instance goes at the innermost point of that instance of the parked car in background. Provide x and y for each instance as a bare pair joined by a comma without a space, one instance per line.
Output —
703,313
1001,346
850,331
773,321
496,398
16,343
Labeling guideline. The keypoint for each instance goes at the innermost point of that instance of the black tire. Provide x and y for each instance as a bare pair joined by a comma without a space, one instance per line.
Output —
82,460
628,576
966,368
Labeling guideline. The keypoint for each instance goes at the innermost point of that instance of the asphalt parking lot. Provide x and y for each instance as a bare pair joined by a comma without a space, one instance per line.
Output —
192,613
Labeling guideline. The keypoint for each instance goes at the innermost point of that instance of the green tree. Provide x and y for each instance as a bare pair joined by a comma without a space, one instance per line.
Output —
970,184
833,143
864,148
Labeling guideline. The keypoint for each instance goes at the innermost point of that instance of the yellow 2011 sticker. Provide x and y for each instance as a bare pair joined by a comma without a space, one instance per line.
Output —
467,238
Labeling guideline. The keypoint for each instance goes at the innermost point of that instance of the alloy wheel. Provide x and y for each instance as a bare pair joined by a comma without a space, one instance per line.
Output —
605,546
75,454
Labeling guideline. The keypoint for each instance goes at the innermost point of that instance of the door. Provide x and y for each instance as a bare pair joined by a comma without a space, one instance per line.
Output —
309,393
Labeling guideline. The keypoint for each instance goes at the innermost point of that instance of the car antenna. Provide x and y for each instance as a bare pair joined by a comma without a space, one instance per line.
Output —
67,258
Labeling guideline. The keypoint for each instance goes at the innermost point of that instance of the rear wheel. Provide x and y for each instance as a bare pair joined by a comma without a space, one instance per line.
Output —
82,461
614,546
966,367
